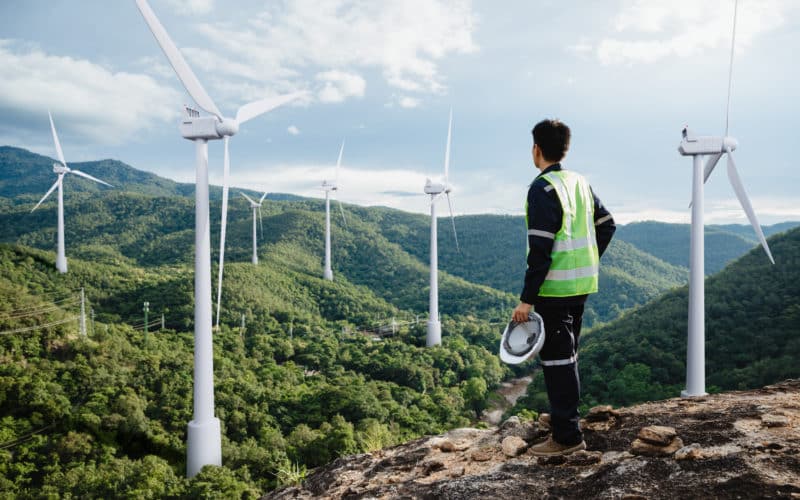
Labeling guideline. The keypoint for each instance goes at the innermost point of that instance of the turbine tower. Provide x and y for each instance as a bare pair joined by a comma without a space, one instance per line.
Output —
61,169
329,186
203,445
436,190
256,206
714,147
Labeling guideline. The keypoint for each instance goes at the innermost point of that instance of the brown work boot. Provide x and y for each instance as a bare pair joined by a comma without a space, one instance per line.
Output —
551,449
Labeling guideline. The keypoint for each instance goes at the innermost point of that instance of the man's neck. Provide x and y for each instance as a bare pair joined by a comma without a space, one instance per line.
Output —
545,165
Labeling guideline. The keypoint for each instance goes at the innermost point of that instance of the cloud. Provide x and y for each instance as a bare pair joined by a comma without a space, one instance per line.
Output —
191,7
293,130
403,39
339,85
648,31
408,102
92,100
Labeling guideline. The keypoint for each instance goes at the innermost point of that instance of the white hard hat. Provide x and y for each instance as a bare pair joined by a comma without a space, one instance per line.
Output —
521,341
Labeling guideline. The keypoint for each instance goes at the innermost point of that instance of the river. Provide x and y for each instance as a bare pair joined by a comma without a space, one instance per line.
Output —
510,391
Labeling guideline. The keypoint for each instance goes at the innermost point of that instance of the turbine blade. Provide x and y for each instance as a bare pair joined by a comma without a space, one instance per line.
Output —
82,174
339,163
182,69
262,198
248,198
55,140
453,220
256,108
447,151
226,168
710,164
341,210
49,191
736,182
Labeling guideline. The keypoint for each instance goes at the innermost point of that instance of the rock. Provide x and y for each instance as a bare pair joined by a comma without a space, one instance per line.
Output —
640,447
430,467
513,446
600,413
584,457
449,446
481,456
457,472
555,460
657,434
509,424
692,452
774,420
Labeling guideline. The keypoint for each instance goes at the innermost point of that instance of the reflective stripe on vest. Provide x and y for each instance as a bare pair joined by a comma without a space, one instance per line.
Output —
575,258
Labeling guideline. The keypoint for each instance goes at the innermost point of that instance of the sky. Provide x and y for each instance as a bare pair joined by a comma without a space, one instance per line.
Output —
625,75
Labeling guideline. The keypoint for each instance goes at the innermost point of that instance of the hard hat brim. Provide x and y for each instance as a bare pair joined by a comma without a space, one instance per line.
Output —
535,347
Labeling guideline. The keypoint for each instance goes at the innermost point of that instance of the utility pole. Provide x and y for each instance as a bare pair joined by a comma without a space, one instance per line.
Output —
91,313
291,330
146,310
82,320
394,326
242,331
162,321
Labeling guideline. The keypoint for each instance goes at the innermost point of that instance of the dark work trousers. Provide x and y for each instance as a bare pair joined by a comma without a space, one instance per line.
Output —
559,359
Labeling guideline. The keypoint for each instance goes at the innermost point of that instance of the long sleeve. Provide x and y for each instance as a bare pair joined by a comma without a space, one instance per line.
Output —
604,225
544,221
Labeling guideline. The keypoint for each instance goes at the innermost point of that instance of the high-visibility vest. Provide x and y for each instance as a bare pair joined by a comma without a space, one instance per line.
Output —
575,258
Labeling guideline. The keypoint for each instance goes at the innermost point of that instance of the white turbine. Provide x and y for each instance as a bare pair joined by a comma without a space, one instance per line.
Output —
256,206
203,437
61,169
697,147
329,186
436,190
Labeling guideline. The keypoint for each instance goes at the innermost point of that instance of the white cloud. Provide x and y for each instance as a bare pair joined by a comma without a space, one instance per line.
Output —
339,85
403,39
408,102
293,130
85,97
651,30
191,7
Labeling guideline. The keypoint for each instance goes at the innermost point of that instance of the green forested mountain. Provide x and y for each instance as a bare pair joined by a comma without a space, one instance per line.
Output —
752,334
105,416
670,242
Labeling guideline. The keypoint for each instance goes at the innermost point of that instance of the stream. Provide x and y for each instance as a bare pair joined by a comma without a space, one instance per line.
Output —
510,391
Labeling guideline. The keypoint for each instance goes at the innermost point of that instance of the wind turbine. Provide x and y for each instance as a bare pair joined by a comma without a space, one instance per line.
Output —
329,186
61,169
436,190
714,147
256,206
203,445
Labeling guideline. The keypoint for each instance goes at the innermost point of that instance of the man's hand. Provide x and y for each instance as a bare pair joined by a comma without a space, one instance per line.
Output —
520,314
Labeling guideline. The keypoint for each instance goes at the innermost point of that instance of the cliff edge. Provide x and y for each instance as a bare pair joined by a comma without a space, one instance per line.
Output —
733,445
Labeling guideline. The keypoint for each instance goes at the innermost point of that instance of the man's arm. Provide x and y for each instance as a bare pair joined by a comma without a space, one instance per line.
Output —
544,221
604,225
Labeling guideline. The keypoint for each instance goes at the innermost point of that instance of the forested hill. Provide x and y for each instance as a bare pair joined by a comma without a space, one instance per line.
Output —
752,334
670,242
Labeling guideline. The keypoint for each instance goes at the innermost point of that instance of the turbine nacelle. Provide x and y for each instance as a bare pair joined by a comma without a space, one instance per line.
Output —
194,126
329,186
436,187
60,169
692,145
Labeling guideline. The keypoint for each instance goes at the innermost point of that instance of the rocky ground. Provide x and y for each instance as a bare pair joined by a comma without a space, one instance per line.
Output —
731,445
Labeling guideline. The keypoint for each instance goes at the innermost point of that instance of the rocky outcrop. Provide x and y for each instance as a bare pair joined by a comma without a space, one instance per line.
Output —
737,445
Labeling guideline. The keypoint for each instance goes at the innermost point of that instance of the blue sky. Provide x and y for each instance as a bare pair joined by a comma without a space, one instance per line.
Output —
626,75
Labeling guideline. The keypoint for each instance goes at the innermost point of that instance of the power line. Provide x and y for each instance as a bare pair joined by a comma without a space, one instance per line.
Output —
39,327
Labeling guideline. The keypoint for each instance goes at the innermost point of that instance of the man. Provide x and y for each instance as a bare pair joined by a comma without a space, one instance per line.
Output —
568,231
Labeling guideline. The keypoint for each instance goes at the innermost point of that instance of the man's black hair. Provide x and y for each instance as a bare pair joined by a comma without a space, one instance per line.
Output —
552,136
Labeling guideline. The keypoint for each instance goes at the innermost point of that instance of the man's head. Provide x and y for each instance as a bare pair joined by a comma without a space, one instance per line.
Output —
550,142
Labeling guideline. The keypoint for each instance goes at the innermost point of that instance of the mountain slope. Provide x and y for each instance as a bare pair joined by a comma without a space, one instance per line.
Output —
752,333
